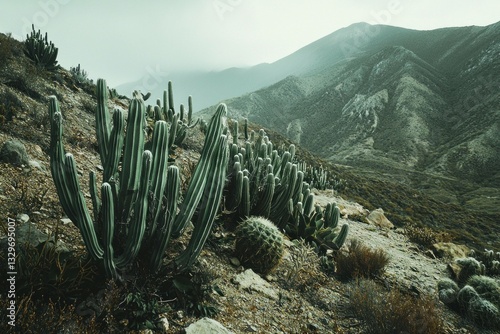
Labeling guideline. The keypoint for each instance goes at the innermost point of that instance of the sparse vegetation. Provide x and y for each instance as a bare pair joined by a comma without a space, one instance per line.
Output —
392,311
360,261
425,236
40,50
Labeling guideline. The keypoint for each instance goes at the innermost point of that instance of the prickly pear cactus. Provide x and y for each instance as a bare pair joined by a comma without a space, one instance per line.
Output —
259,244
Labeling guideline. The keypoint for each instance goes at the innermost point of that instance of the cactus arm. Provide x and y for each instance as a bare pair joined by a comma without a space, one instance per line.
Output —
159,150
161,237
85,223
103,126
96,202
108,230
198,181
171,97
115,146
132,158
137,225
208,208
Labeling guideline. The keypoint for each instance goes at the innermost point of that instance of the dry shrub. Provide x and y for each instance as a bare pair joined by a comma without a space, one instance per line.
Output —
425,236
304,264
394,312
360,261
33,317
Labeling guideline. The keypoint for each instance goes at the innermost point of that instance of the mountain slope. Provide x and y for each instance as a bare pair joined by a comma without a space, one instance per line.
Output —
401,102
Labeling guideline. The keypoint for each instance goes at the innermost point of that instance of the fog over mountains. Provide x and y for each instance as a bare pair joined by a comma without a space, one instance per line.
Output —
421,104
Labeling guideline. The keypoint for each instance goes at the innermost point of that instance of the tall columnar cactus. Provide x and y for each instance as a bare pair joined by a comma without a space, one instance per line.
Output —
40,50
138,204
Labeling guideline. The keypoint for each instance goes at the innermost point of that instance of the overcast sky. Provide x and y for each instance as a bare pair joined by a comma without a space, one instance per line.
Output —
122,40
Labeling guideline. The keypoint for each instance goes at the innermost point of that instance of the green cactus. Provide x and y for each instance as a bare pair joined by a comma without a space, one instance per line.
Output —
487,288
259,244
469,267
483,312
42,52
138,203
447,290
318,227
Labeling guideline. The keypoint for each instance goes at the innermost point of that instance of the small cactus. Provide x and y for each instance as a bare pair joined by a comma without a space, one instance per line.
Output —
487,288
259,244
483,312
447,290
470,267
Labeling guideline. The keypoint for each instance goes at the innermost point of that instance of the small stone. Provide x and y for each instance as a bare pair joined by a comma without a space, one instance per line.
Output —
22,218
99,168
430,254
251,329
235,262
180,314
313,327
164,325
65,221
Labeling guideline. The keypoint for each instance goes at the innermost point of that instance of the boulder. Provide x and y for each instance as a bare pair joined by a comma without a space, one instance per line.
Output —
207,326
249,280
378,218
450,250
14,152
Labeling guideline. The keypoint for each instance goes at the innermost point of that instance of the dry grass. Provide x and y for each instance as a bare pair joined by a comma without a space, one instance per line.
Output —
425,236
388,312
360,261
33,317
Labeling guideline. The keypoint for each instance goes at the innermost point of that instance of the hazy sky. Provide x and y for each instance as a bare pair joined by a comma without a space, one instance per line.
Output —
124,40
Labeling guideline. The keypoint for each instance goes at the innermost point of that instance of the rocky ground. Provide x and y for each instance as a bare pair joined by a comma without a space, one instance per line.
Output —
296,298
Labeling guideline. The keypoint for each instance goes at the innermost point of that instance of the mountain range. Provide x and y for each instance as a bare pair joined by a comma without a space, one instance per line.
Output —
419,106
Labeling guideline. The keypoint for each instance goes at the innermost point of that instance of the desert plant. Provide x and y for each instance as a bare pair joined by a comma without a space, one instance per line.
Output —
490,259
79,74
487,288
318,227
448,290
304,263
392,311
425,236
138,203
179,121
469,267
259,244
40,50
360,261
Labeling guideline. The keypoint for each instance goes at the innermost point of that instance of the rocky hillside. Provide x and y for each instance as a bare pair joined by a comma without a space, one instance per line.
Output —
57,290
419,105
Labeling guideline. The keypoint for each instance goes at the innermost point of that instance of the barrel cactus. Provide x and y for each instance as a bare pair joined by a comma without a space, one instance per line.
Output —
259,244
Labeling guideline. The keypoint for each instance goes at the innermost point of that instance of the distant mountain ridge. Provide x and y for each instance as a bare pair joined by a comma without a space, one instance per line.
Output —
400,99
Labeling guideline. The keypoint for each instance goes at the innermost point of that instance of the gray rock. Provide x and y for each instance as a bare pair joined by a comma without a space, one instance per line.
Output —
22,218
36,164
249,280
207,326
14,152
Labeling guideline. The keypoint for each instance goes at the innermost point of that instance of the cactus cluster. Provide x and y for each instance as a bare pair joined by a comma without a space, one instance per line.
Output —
264,181
316,177
259,244
40,50
317,226
79,74
474,294
490,259
180,121
137,207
